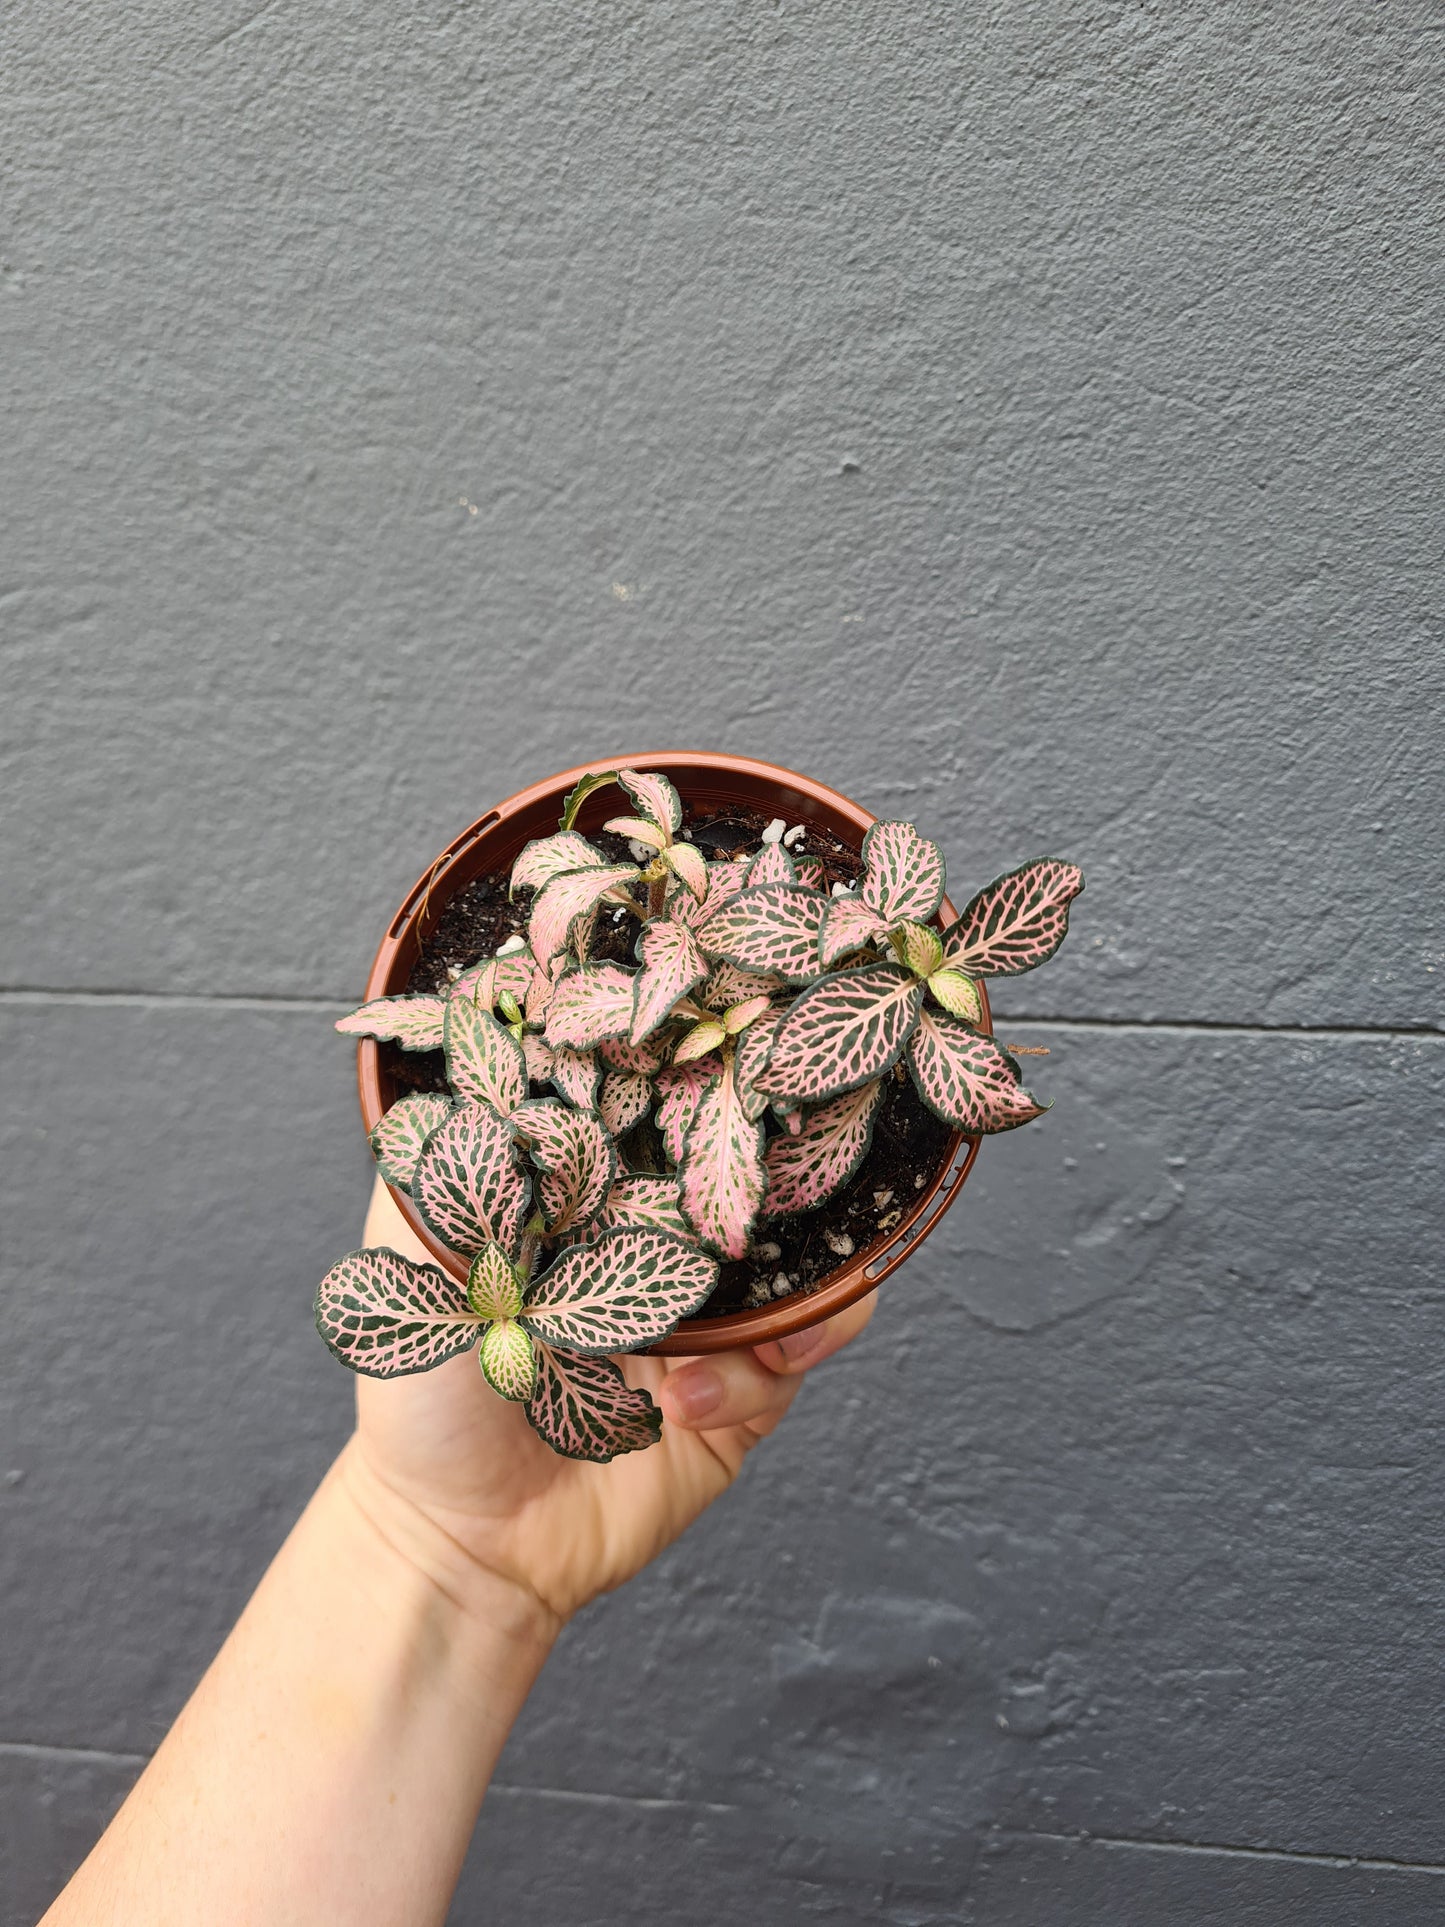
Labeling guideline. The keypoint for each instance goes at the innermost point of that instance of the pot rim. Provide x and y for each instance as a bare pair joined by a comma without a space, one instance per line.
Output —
858,1275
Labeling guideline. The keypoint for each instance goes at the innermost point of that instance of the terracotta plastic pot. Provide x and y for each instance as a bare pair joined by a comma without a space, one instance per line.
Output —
705,783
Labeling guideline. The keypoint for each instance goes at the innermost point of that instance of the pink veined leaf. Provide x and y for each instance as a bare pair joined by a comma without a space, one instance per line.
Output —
508,1359
958,994
385,1316
842,1032
625,1098
585,1409
774,928
1016,922
645,1200
484,1060
554,856
493,1288
567,897
737,1017
468,1185
396,1142
689,864
590,1004
576,1158
721,1179
682,1087
789,1115
638,829
811,872
672,965
966,1078
655,797
902,873
807,1168
702,1039
848,925
724,880
772,864
540,1059
727,985
413,1022
538,1000
754,1048
642,1059
484,982
577,1074
627,1288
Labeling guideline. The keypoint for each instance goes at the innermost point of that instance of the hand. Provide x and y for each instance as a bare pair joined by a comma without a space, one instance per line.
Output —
561,1529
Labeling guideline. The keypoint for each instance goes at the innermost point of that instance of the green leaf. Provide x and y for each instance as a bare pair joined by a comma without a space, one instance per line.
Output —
966,1078
509,1363
585,1409
413,1022
396,1142
593,780
484,1061
843,1031
958,994
655,797
385,1316
701,1039
918,948
627,1288
493,1290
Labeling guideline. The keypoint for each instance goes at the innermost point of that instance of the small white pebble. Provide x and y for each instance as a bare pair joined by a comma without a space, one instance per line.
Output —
782,1285
842,889
880,1198
794,836
918,1182
619,913
774,832
840,1242
888,1220
641,852
511,946
453,971
768,1252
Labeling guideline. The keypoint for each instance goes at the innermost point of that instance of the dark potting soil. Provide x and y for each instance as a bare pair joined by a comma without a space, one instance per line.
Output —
791,1255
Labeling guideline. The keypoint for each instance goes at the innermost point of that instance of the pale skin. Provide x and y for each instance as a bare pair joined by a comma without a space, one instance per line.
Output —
331,1764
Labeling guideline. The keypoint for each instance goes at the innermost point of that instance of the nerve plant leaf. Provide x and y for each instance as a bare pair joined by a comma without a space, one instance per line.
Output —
806,1169
493,1288
682,1086
811,872
638,830
721,1180
727,985
774,928
413,1022
628,1287
958,994
1015,923
509,1362
772,864
567,897
843,1031
589,1004
577,1074
468,1184
918,948
643,1060
585,1409
575,1156
484,1061
701,1039
690,865
625,1098
966,1078
654,797
724,880
554,856
396,1142
672,965
486,981
540,1059
754,1048
594,780
848,924
645,1200
384,1316
902,873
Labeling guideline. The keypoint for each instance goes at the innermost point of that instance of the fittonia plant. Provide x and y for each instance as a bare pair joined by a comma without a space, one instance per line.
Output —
731,1076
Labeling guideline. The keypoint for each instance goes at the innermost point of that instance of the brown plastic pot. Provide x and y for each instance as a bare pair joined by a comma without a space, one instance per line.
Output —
706,783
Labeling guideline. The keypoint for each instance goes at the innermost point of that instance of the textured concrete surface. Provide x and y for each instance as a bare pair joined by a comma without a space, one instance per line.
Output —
1026,417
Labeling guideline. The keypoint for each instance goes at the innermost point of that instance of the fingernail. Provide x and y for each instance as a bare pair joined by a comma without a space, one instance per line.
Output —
798,1344
695,1391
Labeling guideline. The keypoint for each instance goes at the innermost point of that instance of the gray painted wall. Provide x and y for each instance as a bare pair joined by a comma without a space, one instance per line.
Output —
1024,416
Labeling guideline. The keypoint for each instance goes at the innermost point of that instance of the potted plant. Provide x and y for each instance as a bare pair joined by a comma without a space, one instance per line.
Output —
681,1053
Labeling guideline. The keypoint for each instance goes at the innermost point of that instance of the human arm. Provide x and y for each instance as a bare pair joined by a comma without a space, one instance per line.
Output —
332,1761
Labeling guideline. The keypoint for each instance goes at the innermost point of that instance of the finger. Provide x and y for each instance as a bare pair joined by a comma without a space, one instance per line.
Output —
386,1226
727,1388
801,1351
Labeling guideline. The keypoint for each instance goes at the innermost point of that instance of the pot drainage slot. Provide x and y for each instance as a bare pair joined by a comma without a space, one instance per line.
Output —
429,882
